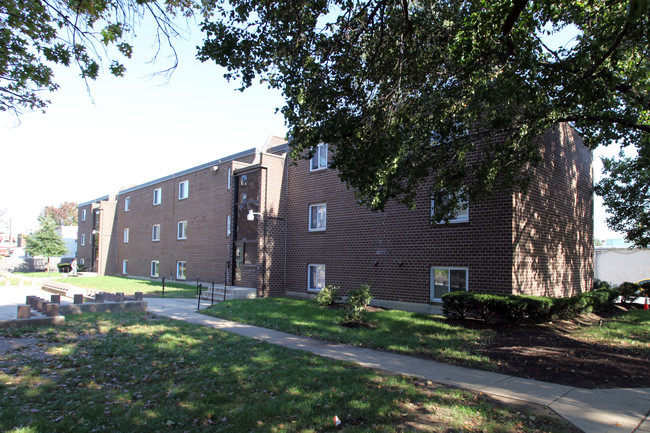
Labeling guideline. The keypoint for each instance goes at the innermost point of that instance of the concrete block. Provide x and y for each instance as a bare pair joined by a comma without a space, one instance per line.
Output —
119,297
99,298
24,311
79,299
51,309
40,305
55,298
139,296
28,300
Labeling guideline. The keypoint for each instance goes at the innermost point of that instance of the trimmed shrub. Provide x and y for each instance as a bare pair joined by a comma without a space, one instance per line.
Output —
360,297
601,300
457,305
64,267
601,285
484,306
568,308
328,295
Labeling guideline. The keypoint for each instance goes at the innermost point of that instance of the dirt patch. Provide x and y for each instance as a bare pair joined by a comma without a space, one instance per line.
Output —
549,353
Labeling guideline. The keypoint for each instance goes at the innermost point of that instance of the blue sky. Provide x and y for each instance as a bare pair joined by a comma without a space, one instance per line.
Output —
138,128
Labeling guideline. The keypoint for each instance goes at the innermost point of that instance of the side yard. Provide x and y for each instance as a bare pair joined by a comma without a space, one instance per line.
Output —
590,352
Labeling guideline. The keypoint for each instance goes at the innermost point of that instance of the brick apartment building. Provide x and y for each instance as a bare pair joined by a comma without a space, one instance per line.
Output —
288,229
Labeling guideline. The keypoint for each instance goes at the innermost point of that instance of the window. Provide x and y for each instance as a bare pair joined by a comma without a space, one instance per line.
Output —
126,236
461,213
316,277
157,196
250,253
182,230
127,204
183,189
228,222
155,268
125,266
181,268
445,280
317,217
155,232
83,214
83,239
319,160
229,177
82,262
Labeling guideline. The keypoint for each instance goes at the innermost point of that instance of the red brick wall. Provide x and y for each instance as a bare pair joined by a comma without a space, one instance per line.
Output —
553,225
394,250
206,249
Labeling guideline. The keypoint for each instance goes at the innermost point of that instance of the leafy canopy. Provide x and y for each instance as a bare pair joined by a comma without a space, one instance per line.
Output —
63,215
626,193
405,90
36,34
46,241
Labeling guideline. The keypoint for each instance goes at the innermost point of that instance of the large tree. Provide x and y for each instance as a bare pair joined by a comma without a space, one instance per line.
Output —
404,90
63,215
626,193
86,34
46,242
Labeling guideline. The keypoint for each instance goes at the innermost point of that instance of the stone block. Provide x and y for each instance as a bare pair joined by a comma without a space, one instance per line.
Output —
99,298
24,311
40,305
51,309
119,297
28,300
55,298
79,299
139,296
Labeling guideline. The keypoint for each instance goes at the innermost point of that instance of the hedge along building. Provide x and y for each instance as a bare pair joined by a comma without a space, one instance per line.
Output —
290,229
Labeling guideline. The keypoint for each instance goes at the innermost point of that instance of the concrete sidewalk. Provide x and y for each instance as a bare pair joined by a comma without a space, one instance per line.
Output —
592,410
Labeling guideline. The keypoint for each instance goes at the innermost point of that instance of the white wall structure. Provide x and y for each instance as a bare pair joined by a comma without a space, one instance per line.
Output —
617,265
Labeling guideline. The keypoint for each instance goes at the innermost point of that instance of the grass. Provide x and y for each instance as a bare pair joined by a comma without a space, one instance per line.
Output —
629,330
40,274
129,286
392,330
127,372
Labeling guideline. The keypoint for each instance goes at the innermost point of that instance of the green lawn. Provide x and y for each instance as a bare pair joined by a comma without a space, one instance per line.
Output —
129,286
53,274
394,330
125,372
630,330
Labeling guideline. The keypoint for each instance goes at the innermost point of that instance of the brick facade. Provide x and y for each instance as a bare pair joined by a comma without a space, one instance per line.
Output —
538,242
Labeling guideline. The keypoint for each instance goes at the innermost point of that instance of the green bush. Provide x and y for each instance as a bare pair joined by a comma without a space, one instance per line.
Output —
328,295
64,267
355,310
568,308
360,297
601,285
628,292
458,305
601,300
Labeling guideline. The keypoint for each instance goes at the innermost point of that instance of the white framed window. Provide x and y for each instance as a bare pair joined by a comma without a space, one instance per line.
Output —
183,189
126,235
125,267
181,269
127,204
83,214
229,177
319,160
228,222
157,196
317,217
460,214
83,239
182,230
445,280
82,262
155,232
316,278
155,268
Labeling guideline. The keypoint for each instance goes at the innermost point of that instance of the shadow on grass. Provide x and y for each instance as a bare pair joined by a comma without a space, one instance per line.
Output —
125,372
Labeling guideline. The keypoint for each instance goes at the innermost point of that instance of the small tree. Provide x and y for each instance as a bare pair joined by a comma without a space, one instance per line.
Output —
46,242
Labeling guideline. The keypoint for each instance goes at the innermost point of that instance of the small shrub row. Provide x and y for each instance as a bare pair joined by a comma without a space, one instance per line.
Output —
517,309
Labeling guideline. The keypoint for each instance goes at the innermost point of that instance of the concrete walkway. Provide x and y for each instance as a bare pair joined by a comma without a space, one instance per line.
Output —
592,410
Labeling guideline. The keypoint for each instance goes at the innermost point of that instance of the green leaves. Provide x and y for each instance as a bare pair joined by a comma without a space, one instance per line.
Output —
457,92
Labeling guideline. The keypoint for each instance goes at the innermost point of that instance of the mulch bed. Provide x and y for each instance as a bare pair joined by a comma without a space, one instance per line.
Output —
548,353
